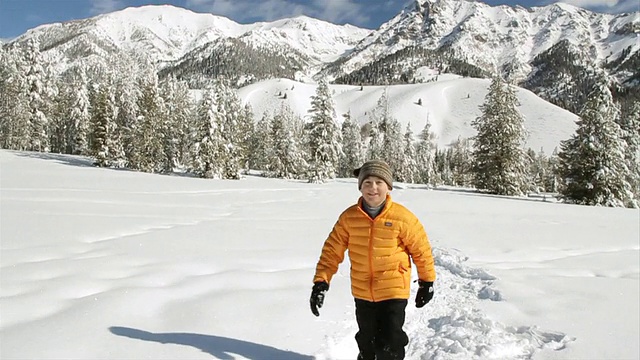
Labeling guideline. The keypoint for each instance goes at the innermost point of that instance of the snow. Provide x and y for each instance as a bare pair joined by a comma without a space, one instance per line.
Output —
449,104
100,263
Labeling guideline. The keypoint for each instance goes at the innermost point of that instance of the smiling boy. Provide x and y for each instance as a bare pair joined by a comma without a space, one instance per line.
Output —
382,238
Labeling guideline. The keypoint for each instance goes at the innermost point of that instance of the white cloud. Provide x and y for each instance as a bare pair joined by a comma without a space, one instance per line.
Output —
105,6
336,11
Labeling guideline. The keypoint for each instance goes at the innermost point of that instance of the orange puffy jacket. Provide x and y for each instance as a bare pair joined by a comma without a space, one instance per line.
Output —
379,251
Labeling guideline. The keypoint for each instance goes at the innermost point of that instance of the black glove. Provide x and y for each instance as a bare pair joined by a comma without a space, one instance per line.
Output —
317,296
425,293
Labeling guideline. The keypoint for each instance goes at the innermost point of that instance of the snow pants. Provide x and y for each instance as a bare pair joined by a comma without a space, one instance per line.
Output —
380,335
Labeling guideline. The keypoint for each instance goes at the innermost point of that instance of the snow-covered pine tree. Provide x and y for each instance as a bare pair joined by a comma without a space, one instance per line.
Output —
79,114
177,125
460,162
425,157
352,147
14,113
60,127
498,154
104,146
630,125
184,118
376,128
392,144
37,95
592,162
127,96
443,165
150,134
246,128
208,140
538,170
552,178
323,136
408,170
261,143
286,159
229,111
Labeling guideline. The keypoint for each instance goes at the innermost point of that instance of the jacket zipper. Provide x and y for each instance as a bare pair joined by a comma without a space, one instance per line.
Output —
371,260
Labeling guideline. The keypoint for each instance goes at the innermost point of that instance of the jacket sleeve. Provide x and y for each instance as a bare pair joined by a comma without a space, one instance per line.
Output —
332,252
417,243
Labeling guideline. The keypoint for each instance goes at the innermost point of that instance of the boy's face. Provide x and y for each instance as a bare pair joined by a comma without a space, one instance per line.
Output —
374,190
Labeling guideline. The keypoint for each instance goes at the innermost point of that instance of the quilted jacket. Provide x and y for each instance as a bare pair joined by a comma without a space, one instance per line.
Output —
379,250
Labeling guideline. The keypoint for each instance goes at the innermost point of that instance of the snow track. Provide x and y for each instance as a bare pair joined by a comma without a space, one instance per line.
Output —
452,326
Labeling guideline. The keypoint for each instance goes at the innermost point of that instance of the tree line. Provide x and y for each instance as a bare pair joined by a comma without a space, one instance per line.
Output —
122,115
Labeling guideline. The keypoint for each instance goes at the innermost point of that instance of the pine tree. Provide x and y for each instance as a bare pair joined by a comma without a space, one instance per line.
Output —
393,146
177,124
592,162
286,159
14,114
378,119
79,114
149,137
60,129
127,97
630,126
461,162
499,158
104,144
408,171
425,158
538,172
323,135
37,94
261,143
552,178
208,139
229,112
352,147
246,129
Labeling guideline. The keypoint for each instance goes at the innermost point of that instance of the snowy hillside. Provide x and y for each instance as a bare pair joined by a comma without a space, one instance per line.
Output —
449,104
111,264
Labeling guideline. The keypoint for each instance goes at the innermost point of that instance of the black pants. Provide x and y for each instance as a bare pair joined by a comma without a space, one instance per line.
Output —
380,334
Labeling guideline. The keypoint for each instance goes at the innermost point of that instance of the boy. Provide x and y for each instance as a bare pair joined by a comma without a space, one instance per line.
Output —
381,236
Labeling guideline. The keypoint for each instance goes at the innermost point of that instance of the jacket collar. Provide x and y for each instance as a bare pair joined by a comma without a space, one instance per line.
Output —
387,205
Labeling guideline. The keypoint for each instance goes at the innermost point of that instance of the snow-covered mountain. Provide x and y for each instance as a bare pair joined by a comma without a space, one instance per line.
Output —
498,39
166,33
554,51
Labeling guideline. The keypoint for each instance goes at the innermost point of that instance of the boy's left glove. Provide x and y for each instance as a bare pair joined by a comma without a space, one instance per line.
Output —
425,293
317,296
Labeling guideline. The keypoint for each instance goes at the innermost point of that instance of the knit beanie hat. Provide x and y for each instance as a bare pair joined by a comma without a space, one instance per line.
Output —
377,168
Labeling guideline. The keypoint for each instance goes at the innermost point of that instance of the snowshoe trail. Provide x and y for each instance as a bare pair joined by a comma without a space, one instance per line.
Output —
452,326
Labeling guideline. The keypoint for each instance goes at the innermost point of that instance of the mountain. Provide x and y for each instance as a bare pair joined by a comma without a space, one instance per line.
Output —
171,36
557,51
498,39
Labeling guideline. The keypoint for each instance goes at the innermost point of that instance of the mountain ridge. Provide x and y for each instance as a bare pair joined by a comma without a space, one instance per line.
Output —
469,38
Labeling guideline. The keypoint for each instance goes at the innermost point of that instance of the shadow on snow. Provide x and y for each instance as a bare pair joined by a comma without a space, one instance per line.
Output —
219,347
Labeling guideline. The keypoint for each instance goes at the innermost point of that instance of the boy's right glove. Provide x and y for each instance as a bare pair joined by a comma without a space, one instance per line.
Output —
317,296
424,294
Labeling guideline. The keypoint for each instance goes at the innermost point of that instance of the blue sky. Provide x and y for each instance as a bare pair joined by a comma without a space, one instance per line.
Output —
17,16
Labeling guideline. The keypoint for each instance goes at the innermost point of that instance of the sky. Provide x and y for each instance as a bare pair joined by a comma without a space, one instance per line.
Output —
17,16
114,264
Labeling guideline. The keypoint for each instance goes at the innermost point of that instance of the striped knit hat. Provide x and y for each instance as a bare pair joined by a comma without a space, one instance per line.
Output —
377,168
